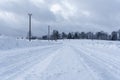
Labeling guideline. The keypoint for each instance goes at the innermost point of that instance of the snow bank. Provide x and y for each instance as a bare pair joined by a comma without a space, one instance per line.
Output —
8,43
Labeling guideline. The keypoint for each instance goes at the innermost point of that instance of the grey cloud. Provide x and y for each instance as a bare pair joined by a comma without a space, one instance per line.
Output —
86,15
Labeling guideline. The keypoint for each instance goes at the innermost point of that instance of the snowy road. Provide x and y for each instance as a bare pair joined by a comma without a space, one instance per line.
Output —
69,60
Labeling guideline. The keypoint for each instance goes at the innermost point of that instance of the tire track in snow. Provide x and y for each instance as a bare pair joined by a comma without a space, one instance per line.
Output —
24,63
66,66
38,68
96,65
86,66
105,51
111,62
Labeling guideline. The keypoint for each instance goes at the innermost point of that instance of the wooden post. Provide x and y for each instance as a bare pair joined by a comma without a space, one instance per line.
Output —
30,34
48,32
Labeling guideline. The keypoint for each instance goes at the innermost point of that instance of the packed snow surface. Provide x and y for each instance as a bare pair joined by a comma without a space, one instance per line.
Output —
61,60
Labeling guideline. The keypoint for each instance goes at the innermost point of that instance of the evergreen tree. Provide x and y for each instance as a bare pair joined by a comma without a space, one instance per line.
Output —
69,36
83,35
90,35
76,35
64,35
55,35
114,35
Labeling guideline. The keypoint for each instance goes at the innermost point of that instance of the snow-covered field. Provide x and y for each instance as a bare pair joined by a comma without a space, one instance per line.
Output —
61,60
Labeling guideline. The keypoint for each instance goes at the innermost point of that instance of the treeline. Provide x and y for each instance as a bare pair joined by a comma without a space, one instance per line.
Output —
101,35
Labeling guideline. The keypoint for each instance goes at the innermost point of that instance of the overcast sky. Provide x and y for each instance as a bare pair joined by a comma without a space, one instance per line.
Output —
63,15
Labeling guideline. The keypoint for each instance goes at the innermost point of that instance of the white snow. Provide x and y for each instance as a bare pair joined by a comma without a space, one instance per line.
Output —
61,60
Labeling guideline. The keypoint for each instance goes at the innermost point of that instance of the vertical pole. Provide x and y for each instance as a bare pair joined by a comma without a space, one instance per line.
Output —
30,26
48,32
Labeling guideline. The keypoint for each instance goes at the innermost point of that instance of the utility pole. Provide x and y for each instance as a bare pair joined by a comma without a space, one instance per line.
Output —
30,34
48,32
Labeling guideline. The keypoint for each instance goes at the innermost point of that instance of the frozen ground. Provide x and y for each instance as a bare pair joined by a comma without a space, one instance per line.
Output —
62,60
